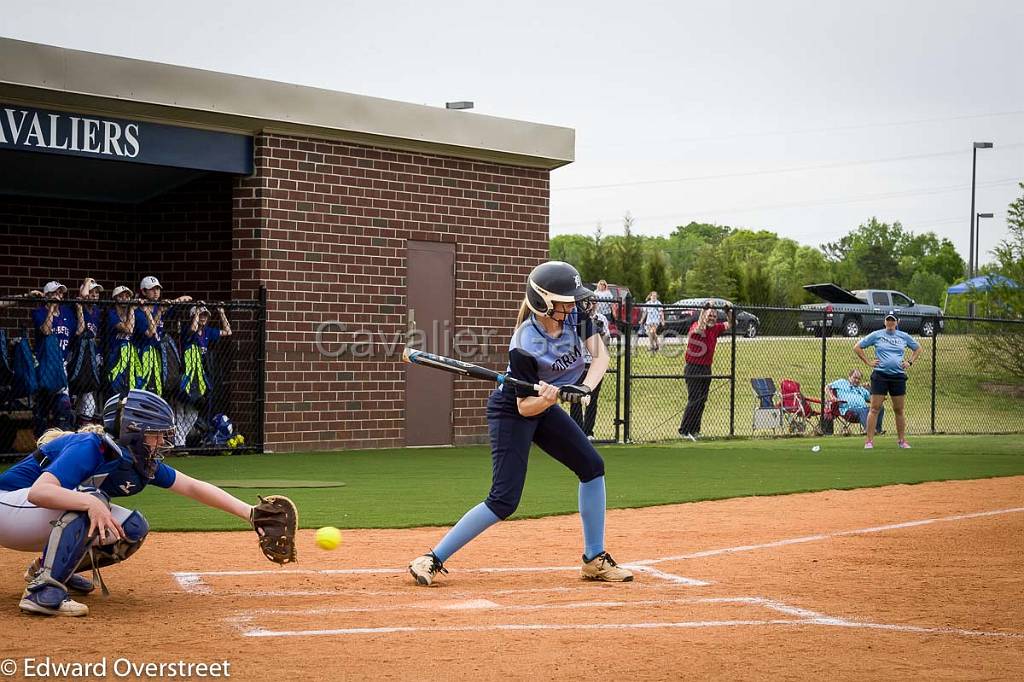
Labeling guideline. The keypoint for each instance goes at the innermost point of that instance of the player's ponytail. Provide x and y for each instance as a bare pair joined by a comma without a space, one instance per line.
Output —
53,434
524,312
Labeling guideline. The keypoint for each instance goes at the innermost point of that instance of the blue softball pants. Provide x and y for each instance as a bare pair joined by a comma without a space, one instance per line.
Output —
553,431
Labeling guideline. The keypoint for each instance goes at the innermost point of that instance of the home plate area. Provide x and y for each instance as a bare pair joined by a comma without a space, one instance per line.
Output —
380,601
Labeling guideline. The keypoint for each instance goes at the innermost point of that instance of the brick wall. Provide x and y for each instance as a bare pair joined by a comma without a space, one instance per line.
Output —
182,237
45,239
324,225
185,239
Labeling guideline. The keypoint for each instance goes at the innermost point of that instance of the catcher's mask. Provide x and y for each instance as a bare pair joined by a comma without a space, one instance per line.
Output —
144,424
148,449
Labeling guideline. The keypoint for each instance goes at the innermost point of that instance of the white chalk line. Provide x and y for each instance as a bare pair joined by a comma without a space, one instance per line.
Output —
666,576
440,594
826,536
477,604
194,583
802,617
258,632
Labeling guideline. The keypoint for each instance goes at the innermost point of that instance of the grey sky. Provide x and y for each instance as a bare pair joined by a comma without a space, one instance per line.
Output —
656,91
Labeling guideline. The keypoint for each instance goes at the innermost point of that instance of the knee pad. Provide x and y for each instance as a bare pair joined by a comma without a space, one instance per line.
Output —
135,527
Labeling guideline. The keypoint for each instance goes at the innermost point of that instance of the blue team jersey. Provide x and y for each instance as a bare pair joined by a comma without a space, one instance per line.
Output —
79,459
63,327
140,338
534,356
91,318
889,349
114,319
142,326
202,338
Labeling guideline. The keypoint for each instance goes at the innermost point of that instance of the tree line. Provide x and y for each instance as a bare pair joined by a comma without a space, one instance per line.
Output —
758,267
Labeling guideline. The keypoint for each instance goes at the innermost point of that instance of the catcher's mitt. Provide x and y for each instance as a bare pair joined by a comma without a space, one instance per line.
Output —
275,520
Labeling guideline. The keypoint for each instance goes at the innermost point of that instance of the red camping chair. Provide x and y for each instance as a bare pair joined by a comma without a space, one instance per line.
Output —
797,409
835,411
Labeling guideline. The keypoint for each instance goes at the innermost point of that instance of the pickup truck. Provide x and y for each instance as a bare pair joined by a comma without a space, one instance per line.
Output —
854,313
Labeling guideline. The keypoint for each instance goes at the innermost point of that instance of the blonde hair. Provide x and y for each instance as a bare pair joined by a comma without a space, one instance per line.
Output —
524,312
51,435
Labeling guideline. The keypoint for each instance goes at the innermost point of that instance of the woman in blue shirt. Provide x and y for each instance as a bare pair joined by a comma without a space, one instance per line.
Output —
122,356
196,387
889,376
547,350
54,324
88,327
149,330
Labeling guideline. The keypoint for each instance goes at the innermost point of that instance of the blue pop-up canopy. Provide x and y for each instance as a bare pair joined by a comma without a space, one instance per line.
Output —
982,283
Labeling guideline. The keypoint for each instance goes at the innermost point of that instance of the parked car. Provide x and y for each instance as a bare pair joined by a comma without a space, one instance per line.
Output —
618,308
679,319
855,313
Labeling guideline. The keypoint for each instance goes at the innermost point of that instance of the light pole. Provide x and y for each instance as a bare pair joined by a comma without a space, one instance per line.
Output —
974,174
977,239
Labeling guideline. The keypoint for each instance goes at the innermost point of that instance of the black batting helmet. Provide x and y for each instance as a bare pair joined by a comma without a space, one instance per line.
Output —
555,282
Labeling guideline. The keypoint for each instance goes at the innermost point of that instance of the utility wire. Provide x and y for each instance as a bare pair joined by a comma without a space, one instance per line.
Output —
824,202
775,171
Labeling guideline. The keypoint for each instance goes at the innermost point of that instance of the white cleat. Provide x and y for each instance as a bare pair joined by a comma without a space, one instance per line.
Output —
603,568
68,607
424,568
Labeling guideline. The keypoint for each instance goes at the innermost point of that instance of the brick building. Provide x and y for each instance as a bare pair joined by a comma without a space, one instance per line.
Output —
364,219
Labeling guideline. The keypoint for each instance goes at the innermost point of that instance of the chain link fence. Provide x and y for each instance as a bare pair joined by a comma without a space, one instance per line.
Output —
61,361
774,373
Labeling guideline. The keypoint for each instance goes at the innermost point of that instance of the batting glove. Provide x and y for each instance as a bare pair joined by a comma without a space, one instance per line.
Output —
574,393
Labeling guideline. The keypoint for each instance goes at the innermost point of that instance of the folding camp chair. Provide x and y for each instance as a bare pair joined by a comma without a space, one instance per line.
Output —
768,415
835,417
798,412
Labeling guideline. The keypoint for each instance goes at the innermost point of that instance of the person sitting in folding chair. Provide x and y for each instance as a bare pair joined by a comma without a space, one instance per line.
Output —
852,401
798,409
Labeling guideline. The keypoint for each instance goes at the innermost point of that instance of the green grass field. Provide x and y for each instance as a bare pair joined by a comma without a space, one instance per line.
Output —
969,398
402,488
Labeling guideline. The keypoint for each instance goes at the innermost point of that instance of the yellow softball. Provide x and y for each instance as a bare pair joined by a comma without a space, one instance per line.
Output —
328,537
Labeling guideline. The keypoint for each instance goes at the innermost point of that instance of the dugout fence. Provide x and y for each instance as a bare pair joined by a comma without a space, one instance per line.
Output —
210,378
775,380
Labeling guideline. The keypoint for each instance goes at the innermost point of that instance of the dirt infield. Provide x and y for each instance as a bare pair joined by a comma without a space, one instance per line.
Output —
919,582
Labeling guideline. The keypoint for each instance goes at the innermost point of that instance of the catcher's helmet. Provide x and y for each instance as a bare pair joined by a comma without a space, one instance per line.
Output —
131,417
555,282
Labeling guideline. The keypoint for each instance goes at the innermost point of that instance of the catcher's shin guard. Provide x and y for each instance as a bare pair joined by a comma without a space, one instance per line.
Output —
68,543
135,527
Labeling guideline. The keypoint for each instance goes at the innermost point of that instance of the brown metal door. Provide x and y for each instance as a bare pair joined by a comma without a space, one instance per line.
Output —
430,300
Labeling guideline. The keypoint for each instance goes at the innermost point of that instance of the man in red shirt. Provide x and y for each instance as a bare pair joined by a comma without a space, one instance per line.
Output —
700,354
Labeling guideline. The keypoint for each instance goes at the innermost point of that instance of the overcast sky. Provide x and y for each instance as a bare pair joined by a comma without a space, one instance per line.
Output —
808,116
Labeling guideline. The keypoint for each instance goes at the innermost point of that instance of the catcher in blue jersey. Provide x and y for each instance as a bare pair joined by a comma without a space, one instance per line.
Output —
57,501
548,347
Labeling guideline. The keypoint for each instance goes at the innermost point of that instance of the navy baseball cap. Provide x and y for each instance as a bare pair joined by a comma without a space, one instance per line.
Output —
892,316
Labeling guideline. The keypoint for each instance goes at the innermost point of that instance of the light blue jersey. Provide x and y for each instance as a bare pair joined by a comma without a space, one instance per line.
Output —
889,349
534,356
855,397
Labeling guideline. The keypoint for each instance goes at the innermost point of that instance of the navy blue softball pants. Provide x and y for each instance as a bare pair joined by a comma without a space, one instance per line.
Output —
554,432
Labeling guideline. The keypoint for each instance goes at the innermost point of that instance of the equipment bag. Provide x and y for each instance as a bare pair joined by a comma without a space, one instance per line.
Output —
53,377
25,381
